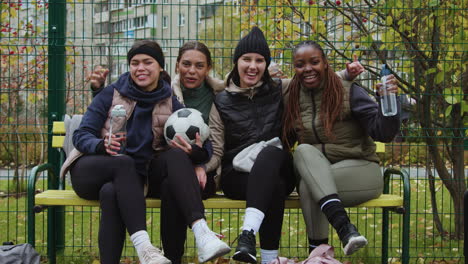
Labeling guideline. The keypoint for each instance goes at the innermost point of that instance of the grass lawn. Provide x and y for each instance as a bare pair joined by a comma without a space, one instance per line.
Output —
82,223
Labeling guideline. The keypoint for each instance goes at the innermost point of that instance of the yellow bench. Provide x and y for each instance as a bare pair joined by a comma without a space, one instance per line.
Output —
53,198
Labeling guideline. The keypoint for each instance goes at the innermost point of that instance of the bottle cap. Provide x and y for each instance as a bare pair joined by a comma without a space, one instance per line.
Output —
118,110
385,70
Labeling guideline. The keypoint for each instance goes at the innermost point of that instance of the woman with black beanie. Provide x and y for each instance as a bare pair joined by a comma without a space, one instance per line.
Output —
249,112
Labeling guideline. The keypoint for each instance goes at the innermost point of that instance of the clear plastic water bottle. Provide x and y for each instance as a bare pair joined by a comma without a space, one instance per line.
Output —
387,99
118,127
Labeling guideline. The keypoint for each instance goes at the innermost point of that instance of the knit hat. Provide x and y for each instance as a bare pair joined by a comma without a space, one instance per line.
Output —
254,42
149,48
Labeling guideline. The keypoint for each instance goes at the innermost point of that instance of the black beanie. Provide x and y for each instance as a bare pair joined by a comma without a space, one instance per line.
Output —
254,42
157,54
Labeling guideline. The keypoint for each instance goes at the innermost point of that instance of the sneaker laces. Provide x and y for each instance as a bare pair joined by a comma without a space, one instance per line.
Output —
152,253
250,237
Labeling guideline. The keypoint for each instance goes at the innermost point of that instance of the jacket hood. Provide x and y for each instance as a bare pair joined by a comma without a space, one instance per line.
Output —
127,88
215,84
249,91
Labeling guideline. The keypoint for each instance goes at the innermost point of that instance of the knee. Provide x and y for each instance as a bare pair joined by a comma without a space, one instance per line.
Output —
306,150
176,154
124,161
107,192
272,153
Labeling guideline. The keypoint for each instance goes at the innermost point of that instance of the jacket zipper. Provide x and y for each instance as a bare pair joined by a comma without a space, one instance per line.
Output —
314,128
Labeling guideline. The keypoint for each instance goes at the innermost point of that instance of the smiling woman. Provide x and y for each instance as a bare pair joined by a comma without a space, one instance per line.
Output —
335,124
246,113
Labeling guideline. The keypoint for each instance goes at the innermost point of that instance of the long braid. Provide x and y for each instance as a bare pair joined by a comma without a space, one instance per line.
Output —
291,116
332,102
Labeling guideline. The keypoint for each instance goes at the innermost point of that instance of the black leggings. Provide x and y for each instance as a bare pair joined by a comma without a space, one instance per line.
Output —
266,187
115,183
172,178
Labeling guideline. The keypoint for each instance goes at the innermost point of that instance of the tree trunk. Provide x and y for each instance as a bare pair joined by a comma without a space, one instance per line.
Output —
435,211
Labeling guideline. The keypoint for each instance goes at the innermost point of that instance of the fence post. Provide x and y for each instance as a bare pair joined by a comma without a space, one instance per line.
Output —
56,110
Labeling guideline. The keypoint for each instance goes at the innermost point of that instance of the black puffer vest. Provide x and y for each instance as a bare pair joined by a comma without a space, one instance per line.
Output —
249,120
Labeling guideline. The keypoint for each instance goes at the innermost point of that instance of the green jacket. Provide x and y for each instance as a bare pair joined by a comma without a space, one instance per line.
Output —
351,140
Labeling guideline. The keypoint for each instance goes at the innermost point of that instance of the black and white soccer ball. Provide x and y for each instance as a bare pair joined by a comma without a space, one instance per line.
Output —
186,122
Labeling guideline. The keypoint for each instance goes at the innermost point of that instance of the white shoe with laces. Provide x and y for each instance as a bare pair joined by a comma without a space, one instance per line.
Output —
211,247
152,255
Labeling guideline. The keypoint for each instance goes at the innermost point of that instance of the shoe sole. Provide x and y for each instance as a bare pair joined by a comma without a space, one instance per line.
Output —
244,257
354,244
221,251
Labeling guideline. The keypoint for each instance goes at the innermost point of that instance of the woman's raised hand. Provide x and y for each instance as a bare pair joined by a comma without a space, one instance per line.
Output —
354,68
98,77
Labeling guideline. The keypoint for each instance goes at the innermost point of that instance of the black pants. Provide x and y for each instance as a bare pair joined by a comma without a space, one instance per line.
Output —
266,187
115,183
171,177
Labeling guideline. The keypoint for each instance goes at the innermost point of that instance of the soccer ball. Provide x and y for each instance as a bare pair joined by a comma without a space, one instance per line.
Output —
186,122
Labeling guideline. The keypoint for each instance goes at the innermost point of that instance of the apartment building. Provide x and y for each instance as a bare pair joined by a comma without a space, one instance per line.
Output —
116,24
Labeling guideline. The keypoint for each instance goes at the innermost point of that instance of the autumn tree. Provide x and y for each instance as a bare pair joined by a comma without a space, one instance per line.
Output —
423,41
23,82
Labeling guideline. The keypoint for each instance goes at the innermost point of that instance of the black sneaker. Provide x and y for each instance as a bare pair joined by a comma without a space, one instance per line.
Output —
245,250
350,238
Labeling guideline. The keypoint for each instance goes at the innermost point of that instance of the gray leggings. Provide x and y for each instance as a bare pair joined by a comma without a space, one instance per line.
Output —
355,181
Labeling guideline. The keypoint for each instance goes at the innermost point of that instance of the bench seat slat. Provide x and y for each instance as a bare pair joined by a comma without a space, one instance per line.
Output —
69,197
58,128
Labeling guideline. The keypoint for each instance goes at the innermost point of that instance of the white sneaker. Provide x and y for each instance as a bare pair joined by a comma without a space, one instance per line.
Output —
152,255
211,247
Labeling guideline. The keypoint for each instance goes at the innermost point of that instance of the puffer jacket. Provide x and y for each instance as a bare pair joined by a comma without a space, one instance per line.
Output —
361,123
241,117
143,137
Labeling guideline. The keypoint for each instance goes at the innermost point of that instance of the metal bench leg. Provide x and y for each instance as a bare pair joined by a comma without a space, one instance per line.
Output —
385,236
406,237
31,220
51,241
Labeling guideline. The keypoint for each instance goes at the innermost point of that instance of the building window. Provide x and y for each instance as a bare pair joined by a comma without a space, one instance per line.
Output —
165,21
165,45
181,20
181,42
116,4
207,11
140,22
199,11
165,2
101,7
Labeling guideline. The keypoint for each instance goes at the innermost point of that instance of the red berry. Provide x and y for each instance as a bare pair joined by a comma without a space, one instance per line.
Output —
364,20
12,52
311,2
338,2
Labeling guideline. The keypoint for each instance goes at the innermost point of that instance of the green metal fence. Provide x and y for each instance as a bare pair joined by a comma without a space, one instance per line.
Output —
47,50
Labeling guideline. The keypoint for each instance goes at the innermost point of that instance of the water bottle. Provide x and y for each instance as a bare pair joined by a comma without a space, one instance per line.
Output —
118,127
387,99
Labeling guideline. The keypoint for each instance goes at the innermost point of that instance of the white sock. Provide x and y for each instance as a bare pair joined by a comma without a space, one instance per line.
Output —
140,240
202,232
268,255
253,219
